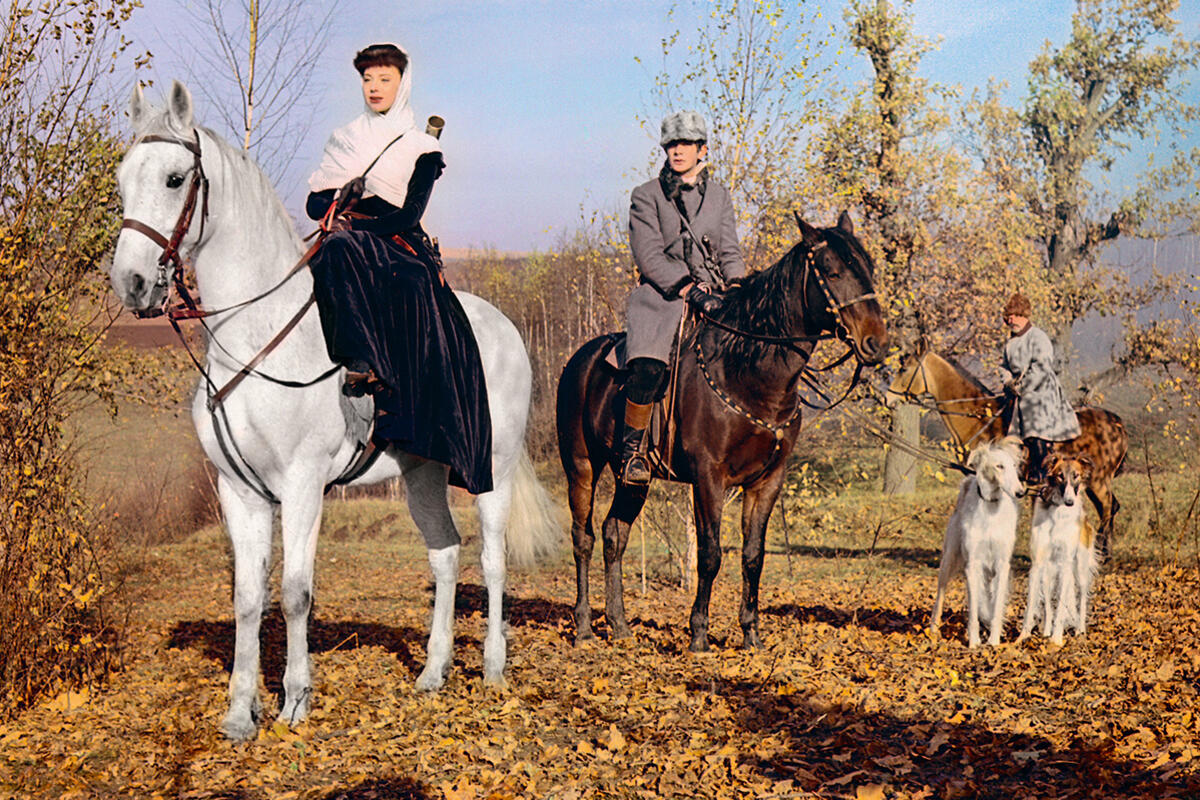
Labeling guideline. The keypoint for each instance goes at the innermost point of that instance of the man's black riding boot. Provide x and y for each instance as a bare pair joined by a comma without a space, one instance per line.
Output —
635,467
1038,450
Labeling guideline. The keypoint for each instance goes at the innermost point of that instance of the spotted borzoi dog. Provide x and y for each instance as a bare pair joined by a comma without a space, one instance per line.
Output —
1062,549
980,537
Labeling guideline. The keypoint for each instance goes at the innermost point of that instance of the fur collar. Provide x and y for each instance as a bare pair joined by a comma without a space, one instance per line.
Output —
673,185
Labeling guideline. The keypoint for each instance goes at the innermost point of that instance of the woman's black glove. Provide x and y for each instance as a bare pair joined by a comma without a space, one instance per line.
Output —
350,194
704,301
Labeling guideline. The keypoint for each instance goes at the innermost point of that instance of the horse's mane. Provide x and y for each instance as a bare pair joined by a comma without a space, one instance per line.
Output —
763,303
238,160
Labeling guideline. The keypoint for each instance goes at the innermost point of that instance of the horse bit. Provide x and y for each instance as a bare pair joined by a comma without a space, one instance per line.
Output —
170,247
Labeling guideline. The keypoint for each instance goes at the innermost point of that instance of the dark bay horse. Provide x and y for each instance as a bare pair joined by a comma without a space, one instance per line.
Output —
973,414
735,414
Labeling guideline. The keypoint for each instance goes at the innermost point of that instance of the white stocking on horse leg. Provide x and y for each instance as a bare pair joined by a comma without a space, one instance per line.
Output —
301,522
248,520
426,483
493,517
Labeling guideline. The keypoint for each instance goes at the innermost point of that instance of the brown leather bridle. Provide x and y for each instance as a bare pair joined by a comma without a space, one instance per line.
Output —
170,261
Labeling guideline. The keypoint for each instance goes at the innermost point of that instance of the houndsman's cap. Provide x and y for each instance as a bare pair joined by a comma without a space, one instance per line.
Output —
683,126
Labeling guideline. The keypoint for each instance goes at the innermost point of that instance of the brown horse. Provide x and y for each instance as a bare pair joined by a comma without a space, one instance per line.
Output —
972,412
734,414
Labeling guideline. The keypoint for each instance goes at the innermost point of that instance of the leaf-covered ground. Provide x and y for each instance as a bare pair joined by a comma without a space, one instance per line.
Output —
850,698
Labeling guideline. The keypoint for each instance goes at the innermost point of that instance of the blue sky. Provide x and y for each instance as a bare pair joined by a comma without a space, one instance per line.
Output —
542,98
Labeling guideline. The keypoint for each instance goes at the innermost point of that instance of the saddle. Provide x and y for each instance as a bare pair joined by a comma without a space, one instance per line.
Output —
656,444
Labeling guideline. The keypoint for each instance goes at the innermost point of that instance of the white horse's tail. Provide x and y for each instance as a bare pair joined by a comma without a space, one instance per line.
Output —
534,532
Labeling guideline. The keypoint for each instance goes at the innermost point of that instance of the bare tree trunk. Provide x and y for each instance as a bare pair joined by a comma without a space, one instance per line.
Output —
251,59
900,467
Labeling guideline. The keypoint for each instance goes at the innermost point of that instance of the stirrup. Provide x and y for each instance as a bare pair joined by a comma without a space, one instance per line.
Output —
636,470
358,384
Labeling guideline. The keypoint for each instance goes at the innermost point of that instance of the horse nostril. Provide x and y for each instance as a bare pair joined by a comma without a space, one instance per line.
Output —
137,285
870,345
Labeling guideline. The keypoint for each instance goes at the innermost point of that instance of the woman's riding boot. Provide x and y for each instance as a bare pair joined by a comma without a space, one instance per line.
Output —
635,467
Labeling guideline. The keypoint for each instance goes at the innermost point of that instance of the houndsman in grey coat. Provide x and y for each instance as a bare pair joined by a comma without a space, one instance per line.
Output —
1042,414
684,242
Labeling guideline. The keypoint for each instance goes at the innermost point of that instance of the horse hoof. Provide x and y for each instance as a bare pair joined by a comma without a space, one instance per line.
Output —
699,646
430,680
621,631
584,637
239,727
295,710
752,642
496,683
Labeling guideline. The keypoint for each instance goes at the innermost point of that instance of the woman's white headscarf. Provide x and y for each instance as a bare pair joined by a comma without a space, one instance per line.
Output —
352,147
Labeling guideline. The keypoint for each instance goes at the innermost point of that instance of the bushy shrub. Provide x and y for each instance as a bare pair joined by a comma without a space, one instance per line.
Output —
58,217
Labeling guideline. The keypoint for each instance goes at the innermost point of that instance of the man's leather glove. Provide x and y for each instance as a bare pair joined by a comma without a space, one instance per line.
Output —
704,301
350,194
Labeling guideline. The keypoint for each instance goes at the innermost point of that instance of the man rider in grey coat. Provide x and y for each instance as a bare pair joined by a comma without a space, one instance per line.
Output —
684,241
1042,414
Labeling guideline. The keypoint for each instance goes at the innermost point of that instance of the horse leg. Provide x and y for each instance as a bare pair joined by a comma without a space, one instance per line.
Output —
300,521
426,486
627,504
494,507
248,518
582,497
707,500
757,505
1106,504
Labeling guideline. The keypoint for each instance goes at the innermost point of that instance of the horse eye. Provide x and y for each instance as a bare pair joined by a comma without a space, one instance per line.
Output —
174,180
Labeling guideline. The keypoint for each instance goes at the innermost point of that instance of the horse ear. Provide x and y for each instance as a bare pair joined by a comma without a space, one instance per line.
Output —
922,345
845,223
973,458
137,106
179,107
807,232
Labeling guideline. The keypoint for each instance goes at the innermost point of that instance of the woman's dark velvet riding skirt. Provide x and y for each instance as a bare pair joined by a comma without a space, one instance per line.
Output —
382,305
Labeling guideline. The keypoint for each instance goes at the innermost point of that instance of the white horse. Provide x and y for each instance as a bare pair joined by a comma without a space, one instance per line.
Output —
276,445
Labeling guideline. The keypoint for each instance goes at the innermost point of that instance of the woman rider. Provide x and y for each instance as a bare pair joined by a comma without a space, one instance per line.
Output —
1041,413
684,242
387,313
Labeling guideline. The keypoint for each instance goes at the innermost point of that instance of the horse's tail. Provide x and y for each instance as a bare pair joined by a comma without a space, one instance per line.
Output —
534,532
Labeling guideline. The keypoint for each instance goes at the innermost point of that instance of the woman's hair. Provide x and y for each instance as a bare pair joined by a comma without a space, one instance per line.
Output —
380,55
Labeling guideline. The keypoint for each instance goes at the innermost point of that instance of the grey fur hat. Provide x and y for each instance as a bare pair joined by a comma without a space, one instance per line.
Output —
683,126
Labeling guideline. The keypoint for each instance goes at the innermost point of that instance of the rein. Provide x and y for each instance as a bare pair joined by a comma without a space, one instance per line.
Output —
984,418
189,307
806,374
834,306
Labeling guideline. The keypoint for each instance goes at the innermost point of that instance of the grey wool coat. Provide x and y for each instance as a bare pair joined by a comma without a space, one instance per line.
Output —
1042,409
657,239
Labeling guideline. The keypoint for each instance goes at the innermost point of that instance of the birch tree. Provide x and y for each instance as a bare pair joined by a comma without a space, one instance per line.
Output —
254,62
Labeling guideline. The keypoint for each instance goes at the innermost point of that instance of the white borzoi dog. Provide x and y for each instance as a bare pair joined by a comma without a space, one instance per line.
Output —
1062,549
980,537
